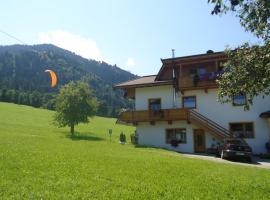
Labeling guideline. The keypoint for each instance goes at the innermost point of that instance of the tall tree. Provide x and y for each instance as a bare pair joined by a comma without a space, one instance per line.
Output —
248,68
74,105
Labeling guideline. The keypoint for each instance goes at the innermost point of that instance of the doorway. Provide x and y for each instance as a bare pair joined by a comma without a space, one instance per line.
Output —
199,140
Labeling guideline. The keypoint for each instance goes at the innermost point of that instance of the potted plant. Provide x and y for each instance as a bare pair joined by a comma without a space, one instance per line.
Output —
196,79
174,142
122,138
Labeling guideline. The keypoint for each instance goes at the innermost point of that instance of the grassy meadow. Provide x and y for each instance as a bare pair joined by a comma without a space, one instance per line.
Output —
41,161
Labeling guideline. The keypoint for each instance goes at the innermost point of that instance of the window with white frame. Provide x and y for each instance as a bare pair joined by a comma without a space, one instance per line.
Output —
178,134
242,130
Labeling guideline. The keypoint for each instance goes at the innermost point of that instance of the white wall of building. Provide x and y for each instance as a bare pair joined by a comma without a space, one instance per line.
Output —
164,92
207,105
224,114
154,135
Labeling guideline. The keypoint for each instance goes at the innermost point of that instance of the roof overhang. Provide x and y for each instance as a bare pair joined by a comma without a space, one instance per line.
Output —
157,83
191,59
144,81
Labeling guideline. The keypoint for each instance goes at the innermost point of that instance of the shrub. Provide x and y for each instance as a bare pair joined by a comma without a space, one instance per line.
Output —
134,138
122,138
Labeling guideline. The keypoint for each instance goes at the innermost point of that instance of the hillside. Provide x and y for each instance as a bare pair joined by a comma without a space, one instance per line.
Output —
23,81
40,161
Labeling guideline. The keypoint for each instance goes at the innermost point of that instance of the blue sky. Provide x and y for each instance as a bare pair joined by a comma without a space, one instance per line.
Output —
133,34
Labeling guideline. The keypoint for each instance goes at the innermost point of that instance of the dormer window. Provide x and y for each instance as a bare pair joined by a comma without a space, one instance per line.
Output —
239,100
154,104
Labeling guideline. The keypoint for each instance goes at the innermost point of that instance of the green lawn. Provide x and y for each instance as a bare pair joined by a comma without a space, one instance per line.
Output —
40,161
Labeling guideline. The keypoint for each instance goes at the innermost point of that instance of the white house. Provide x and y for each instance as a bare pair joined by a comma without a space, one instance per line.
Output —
180,103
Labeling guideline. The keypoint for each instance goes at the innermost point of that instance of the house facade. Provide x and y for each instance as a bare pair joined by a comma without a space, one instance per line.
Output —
179,105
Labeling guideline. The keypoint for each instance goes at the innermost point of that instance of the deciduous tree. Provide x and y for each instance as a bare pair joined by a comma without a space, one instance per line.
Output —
248,68
74,105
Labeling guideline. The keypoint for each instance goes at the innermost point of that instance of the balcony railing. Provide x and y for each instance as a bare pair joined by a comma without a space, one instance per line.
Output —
152,115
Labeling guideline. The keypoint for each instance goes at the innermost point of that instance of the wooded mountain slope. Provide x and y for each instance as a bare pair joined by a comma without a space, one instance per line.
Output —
23,80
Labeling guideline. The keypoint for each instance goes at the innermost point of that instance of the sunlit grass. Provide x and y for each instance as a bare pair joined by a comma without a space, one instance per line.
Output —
40,161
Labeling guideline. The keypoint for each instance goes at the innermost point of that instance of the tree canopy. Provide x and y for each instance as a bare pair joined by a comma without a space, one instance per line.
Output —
74,105
248,68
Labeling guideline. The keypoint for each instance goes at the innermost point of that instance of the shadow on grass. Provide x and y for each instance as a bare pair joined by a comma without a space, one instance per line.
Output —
153,147
87,137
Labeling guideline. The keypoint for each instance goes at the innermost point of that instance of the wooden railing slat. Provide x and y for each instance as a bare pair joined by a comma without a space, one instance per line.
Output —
204,121
146,115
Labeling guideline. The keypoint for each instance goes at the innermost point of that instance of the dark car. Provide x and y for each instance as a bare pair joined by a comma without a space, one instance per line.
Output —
235,148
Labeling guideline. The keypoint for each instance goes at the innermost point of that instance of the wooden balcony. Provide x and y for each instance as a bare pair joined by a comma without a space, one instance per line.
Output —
188,83
199,75
153,116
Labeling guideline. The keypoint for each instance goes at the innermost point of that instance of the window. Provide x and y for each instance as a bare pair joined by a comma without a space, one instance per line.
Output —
178,133
154,104
239,100
189,102
193,71
202,71
198,71
242,130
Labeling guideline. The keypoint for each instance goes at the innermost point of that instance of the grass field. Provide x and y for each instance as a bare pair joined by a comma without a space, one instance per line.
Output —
40,161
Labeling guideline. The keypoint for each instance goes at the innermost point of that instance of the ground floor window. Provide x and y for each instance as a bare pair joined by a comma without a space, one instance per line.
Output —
178,134
242,130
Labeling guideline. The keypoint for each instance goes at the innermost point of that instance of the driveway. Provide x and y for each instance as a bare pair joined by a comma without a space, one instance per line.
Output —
257,162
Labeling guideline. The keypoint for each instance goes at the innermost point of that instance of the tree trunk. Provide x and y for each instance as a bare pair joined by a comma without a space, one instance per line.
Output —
72,129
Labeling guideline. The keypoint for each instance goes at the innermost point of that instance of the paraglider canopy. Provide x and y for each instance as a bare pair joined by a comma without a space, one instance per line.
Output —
53,77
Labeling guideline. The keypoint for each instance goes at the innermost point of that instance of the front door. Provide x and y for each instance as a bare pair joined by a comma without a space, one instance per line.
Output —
199,140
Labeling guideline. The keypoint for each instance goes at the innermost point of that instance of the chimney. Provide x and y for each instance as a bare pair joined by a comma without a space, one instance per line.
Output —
209,51
173,50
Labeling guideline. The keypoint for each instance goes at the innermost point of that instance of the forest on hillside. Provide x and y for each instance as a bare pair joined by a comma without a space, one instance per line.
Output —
23,80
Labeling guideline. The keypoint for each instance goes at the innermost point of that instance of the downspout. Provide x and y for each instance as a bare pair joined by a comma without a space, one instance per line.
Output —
174,76
268,121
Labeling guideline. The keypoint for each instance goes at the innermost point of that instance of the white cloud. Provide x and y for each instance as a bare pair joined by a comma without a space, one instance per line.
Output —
84,47
130,62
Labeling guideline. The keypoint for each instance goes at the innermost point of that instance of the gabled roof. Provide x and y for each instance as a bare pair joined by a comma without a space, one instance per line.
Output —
184,59
196,56
154,80
144,81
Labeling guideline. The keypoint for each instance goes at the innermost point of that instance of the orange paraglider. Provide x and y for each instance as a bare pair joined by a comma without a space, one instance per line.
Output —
53,77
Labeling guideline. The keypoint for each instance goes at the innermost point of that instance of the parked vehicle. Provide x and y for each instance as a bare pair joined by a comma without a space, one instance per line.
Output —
235,148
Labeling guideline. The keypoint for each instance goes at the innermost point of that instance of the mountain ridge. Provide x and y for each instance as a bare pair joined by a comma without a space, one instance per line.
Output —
22,71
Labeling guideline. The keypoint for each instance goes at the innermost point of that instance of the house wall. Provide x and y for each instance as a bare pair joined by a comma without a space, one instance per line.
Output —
164,92
154,135
207,105
224,114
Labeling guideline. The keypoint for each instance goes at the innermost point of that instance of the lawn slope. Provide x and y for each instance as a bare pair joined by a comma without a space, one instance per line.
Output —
40,161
